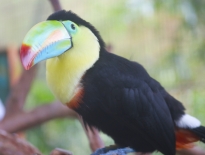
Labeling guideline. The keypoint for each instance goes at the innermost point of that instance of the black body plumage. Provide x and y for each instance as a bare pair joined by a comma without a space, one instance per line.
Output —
123,101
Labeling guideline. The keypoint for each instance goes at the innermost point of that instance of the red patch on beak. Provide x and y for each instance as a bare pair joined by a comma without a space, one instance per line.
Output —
27,56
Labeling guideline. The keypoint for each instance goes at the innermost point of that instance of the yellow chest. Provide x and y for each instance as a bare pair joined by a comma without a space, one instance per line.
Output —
64,74
63,80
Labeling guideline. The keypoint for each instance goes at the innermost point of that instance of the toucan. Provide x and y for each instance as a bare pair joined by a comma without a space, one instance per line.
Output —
111,93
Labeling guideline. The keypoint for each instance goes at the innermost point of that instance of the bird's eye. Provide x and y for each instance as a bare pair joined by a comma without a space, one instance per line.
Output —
73,26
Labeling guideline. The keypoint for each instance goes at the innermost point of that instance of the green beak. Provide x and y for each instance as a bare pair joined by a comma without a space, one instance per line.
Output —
45,40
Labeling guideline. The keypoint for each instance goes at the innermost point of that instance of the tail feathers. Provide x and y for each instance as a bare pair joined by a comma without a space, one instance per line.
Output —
185,139
200,132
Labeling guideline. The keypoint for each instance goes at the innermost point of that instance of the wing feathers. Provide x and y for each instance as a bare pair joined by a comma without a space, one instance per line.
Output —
149,115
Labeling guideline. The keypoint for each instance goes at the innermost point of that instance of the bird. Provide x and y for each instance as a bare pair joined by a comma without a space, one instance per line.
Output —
111,93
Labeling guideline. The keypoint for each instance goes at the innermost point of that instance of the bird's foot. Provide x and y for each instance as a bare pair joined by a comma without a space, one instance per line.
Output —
111,151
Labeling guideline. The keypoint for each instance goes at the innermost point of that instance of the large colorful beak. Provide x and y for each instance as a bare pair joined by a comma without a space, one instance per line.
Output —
45,40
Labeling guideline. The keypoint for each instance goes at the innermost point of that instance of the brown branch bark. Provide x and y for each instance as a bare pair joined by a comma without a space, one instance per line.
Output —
93,136
59,151
56,5
95,141
12,145
17,97
14,64
192,151
25,120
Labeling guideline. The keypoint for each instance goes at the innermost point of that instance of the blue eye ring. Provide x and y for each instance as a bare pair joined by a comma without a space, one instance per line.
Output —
71,27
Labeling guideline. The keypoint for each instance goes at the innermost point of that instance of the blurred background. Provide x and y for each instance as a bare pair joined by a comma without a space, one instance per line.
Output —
166,37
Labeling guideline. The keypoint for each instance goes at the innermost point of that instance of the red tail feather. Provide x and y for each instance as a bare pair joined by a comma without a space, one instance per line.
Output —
185,139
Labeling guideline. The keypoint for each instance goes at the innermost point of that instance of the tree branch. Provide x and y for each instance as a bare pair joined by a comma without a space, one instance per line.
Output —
24,120
59,151
192,151
17,97
93,136
56,5
10,145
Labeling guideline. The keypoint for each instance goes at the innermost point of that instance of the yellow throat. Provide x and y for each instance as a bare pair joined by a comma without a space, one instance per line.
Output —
64,72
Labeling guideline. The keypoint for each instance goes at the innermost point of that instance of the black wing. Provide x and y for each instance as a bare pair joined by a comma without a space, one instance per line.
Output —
146,112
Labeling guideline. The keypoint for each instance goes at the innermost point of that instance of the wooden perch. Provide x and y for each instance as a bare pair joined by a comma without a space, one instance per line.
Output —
25,120
12,145
93,136
17,97
59,151
192,151
56,5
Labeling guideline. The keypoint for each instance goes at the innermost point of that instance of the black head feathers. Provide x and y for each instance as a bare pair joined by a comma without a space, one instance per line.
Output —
69,15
